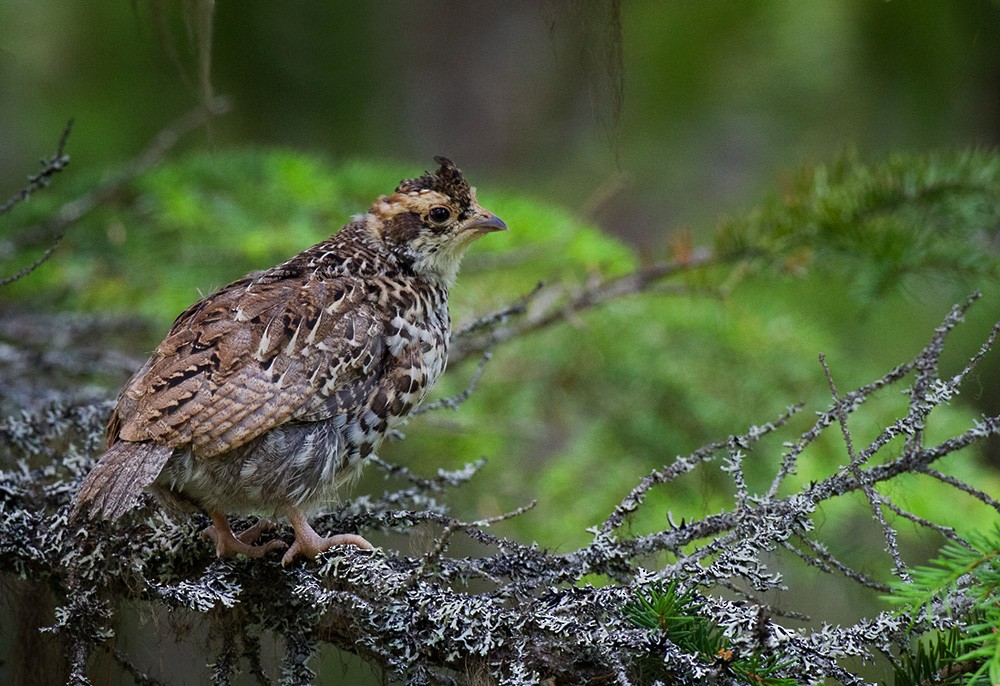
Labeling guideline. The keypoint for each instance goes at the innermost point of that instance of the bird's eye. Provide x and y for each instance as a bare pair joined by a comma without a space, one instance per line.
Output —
439,215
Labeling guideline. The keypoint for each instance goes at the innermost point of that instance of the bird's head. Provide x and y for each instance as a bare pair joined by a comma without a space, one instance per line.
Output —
430,221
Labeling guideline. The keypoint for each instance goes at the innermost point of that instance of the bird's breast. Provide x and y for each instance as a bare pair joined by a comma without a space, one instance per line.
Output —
416,341
420,348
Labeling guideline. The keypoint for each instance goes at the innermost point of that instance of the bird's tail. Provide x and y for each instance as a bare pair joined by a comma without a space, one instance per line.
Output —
115,483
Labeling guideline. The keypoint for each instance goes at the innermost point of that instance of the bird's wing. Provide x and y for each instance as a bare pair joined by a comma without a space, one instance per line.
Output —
249,358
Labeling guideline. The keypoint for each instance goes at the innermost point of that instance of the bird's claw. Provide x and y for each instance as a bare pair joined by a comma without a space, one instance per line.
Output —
311,546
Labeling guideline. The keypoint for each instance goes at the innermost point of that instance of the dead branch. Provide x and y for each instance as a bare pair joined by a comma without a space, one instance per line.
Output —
553,305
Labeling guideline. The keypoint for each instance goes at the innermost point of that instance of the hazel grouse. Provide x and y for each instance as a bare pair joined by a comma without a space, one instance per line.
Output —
270,393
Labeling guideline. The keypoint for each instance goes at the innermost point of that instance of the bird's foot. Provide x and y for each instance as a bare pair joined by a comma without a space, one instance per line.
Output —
250,536
310,544
311,547
228,544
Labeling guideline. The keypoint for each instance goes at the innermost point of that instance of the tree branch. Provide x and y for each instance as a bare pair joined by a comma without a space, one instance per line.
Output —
552,307
50,167
513,612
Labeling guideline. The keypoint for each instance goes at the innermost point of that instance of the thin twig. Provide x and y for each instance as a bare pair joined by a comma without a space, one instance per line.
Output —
454,401
222,668
855,466
50,167
681,465
948,673
138,676
589,297
500,316
435,484
432,557
825,561
251,651
946,531
42,179
960,485
42,259
850,402
162,143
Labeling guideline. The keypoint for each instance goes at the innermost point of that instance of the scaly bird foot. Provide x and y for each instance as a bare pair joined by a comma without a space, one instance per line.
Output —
310,544
228,544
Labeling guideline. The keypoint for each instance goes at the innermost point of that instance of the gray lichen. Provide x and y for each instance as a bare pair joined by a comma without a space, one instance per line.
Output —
518,614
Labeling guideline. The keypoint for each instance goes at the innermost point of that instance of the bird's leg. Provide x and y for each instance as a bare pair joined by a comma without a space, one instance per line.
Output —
228,544
309,543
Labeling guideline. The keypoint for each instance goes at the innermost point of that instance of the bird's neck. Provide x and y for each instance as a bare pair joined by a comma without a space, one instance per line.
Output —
439,268
356,250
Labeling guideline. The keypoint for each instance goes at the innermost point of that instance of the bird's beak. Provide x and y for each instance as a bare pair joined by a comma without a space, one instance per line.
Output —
485,222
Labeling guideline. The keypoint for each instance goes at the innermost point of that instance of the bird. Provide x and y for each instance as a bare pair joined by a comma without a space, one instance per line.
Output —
268,395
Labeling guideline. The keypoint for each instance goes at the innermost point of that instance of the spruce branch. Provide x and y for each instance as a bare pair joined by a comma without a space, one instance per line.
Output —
962,584
909,216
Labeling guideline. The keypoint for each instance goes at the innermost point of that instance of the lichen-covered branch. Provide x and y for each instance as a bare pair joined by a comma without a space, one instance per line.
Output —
545,306
513,614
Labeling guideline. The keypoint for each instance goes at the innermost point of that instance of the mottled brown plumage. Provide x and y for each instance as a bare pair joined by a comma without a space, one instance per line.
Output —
268,395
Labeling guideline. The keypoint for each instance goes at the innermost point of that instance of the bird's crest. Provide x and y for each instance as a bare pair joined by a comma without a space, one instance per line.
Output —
448,180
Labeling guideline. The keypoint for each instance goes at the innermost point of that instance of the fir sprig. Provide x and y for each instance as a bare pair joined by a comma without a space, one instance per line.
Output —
967,574
927,215
675,614
933,661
